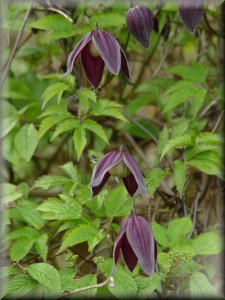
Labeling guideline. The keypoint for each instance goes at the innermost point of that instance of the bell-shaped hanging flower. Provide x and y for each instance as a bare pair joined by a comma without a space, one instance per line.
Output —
191,12
137,243
97,49
121,164
140,23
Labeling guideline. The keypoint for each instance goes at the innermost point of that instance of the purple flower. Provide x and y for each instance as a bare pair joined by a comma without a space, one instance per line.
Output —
122,164
97,49
140,23
191,12
137,243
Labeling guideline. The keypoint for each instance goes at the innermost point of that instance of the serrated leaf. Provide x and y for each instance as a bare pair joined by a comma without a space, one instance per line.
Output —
59,26
181,141
209,138
82,282
47,181
25,231
8,272
46,275
96,128
86,95
49,122
26,141
20,248
160,234
180,127
162,140
207,243
153,284
198,100
200,286
178,228
41,246
20,285
71,171
29,214
55,89
105,107
65,126
9,118
56,209
107,19
179,175
79,139
10,192
153,179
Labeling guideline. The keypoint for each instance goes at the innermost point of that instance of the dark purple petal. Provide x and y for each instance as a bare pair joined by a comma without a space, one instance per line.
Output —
107,162
140,23
97,189
109,49
76,51
133,166
191,12
92,66
124,64
128,254
142,242
130,184
118,242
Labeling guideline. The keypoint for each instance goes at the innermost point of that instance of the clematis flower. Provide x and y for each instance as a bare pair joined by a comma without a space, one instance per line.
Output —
122,164
137,243
140,23
191,12
97,49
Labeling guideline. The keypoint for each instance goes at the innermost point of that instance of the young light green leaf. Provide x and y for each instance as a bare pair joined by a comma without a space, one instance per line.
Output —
162,140
179,175
9,118
41,246
209,138
20,248
29,214
26,141
96,128
180,127
79,139
47,181
10,192
178,228
23,232
46,275
20,285
55,89
50,121
207,243
160,234
105,107
70,170
200,286
198,100
180,141
65,126
153,179
60,26
82,282
153,284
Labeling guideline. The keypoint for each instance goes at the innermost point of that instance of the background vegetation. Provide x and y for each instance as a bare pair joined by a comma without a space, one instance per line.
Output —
56,238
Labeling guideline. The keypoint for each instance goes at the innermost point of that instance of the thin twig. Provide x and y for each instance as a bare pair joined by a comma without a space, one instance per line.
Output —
20,33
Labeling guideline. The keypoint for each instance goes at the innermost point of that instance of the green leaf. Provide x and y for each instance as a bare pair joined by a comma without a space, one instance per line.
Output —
107,19
179,93
160,234
153,284
71,171
20,248
198,100
56,209
59,26
180,127
66,278
46,275
207,243
20,285
47,181
162,140
85,95
29,214
124,284
179,175
10,192
178,228
181,141
116,203
79,234
96,128
26,141
82,282
209,138
9,118
65,126
79,139
105,107
200,286
25,232
153,179
41,246
207,162
55,89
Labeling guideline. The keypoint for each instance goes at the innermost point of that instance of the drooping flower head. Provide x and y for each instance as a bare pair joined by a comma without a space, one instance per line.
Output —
191,12
122,164
97,49
137,243
140,23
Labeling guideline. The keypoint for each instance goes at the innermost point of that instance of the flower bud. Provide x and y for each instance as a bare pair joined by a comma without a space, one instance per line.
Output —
140,23
191,12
